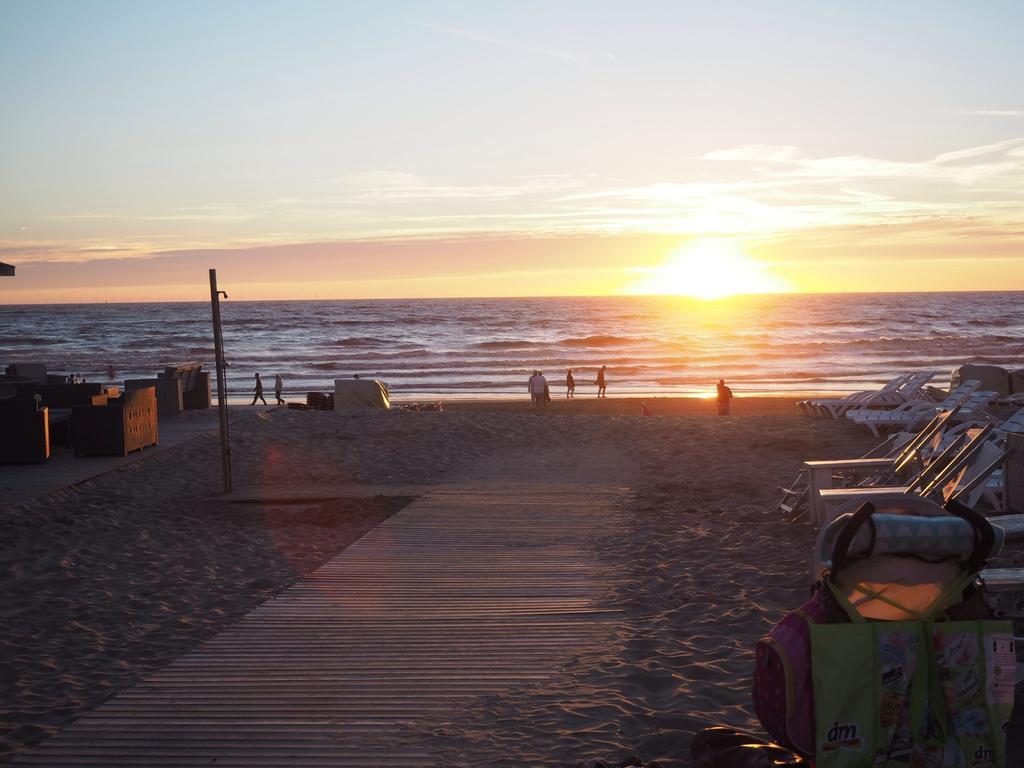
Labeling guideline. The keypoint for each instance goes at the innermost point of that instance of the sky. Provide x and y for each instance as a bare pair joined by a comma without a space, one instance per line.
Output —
405,149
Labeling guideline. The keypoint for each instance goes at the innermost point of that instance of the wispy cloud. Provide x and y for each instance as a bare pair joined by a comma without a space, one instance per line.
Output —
781,189
391,186
990,112
979,151
755,192
966,166
500,42
762,153
208,213
79,251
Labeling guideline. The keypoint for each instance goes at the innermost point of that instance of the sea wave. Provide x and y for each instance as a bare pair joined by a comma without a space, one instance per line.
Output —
598,341
33,341
358,341
832,343
504,344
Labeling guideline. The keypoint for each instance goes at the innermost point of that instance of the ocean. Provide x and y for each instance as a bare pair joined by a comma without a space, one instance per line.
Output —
447,348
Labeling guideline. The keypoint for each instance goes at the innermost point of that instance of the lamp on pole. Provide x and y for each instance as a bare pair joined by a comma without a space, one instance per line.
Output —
222,384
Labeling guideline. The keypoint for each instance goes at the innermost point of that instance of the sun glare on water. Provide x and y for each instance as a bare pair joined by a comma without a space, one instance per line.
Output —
710,270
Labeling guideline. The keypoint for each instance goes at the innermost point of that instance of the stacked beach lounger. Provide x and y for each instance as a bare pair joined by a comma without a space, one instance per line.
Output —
906,388
971,403
318,401
959,453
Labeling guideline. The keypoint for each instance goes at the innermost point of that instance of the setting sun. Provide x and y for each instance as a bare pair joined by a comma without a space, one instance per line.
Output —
710,269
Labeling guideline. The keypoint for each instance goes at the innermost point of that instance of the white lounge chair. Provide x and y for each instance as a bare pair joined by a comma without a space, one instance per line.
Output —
1013,423
991,491
926,451
896,392
895,457
817,406
958,472
904,415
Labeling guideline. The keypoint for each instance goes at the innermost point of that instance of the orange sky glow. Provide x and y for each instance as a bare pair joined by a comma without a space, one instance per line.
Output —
346,151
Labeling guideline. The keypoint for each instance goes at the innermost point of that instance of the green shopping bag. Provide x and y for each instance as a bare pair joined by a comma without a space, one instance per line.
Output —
914,688
915,693
976,666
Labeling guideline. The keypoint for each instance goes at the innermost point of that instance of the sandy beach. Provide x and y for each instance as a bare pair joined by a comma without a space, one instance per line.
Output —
111,579
631,406
431,214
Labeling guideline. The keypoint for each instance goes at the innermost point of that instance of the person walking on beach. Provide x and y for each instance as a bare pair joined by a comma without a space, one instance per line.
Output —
278,388
538,386
724,396
258,391
570,384
601,383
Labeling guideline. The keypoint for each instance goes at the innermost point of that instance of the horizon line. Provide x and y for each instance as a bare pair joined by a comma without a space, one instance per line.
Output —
519,298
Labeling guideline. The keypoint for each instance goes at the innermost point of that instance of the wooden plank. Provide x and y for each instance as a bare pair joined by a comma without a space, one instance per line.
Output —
466,592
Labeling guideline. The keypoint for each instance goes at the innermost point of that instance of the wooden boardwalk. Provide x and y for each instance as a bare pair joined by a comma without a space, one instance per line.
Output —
467,591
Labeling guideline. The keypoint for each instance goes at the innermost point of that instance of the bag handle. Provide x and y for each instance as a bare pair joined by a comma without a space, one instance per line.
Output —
984,536
845,538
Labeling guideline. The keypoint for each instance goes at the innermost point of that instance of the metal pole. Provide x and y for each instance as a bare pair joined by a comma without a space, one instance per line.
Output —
222,399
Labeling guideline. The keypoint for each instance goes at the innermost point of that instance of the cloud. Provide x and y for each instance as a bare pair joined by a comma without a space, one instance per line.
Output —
755,192
980,151
487,39
990,112
999,159
198,213
781,189
342,263
762,153
89,250
392,186
499,264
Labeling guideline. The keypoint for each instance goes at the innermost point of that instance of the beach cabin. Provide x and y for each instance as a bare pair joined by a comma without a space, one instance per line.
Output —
6,270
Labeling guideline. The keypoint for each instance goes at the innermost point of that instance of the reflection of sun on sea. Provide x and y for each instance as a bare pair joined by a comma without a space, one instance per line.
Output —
710,269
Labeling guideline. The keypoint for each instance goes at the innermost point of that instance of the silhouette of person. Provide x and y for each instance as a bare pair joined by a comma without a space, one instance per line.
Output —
570,384
724,396
111,372
601,383
538,386
258,391
278,388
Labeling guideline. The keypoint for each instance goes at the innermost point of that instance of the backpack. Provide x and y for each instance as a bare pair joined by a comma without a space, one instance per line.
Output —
783,691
